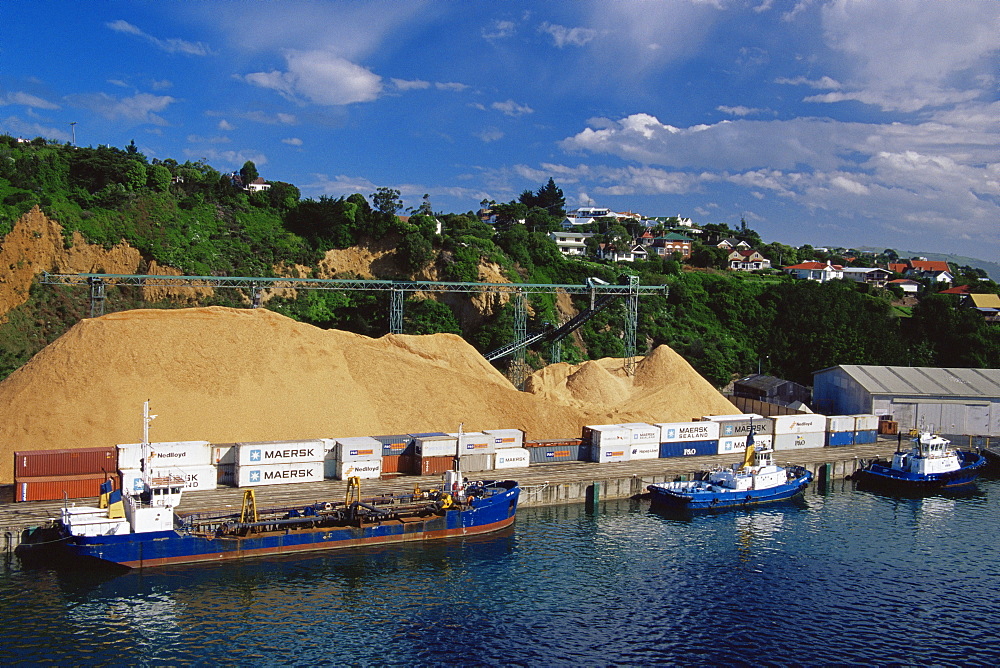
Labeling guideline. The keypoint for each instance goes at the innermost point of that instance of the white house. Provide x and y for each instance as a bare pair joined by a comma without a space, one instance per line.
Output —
585,215
909,286
816,271
571,243
871,275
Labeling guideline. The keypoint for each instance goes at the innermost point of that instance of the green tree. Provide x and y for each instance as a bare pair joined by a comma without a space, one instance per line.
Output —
386,201
248,173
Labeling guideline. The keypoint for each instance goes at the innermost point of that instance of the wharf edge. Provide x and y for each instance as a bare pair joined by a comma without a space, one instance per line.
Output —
541,485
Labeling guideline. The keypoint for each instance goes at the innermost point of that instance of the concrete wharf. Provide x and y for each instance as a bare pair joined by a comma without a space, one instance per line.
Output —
541,485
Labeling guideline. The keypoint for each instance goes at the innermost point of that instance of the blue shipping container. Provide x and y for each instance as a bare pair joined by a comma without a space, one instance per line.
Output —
867,436
399,444
546,454
689,448
839,438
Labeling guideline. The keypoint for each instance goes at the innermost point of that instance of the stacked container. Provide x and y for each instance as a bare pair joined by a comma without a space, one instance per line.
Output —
865,429
686,439
840,430
433,455
795,432
550,452
512,458
645,440
476,450
734,429
45,475
608,442
395,449
191,460
360,457
279,462
506,438
224,458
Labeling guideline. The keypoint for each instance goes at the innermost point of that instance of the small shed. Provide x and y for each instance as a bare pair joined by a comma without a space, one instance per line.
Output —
771,390
951,401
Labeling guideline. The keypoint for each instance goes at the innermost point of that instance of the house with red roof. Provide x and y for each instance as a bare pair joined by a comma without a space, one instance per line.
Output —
816,271
747,260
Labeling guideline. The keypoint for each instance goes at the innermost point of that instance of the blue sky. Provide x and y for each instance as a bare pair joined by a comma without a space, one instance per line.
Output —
828,122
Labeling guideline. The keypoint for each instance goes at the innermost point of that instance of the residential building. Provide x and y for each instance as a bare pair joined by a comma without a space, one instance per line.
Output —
816,271
987,304
936,270
626,254
571,243
747,260
870,275
908,285
585,215
733,243
258,185
670,243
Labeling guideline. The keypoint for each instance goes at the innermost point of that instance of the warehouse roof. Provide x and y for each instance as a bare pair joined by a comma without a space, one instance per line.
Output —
908,380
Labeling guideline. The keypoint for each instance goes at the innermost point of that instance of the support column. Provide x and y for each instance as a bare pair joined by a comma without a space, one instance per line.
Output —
631,324
395,311
518,364
96,296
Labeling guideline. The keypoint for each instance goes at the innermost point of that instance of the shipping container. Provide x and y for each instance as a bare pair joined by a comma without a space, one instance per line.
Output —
645,450
74,462
432,465
435,446
840,423
802,423
476,442
427,434
226,474
53,488
866,436
407,463
607,435
397,444
642,432
390,464
511,458
816,439
369,469
548,452
835,439
255,474
223,453
604,454
688,448
202,478
168,453
741,426
506,438
866,422
279,452
357,448
739,443
673,432
477,462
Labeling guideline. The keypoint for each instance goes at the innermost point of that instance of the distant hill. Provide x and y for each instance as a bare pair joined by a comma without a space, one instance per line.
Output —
991,268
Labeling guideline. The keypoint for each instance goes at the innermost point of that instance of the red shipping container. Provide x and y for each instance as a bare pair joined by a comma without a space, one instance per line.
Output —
433,465
79,461
391,464
51,488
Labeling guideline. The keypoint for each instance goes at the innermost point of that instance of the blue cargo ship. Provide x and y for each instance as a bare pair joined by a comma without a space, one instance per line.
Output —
144,531
930,465
757,481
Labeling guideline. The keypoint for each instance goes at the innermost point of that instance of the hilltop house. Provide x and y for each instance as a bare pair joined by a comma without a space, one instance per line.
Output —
936,270
908,285
870,275
571,243
987,304
816,271
747,260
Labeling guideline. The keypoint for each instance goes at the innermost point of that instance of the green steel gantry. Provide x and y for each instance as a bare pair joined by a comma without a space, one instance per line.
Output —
629,289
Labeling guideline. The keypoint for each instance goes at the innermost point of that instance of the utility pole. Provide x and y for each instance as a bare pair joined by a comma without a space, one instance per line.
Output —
73,126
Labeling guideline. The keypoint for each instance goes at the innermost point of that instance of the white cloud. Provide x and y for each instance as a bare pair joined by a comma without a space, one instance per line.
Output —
27,100
740,110
172,45
198,139
499,30
451,85
225,125
416,84
292,141
15,126
488,135
825,83
322,78
139,108
562,36
511,108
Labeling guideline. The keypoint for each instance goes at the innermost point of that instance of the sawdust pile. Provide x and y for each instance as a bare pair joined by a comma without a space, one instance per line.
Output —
226,375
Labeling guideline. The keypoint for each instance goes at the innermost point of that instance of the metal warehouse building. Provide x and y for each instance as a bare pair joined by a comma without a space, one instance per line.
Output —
952,401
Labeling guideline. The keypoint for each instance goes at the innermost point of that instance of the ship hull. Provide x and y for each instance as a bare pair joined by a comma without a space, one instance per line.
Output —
163,548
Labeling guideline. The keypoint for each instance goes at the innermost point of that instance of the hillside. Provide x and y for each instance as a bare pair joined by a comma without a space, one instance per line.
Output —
225,375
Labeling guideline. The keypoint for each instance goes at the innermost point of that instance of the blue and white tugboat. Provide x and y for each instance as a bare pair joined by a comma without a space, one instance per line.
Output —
757,481
930,465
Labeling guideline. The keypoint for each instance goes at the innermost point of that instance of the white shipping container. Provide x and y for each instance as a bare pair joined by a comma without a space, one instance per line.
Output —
511,458
506,438
478,462
804,423
650,450
675,432
608,435
370,469
866,422
279,452
816,439
643,432
252,475
358,448
733,417
604,454
172,453
223,453
435,446
840,423
739,443
195,477
475,443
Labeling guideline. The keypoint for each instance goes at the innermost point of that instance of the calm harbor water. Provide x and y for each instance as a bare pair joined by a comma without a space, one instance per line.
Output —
844,577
